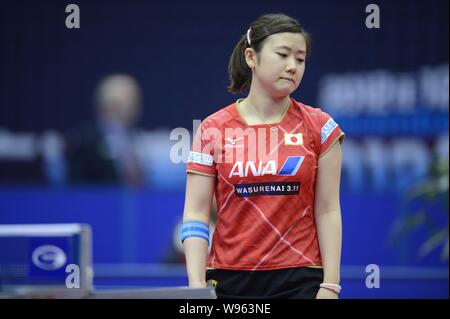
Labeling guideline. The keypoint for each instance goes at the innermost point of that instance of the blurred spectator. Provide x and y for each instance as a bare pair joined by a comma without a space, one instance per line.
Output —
104,152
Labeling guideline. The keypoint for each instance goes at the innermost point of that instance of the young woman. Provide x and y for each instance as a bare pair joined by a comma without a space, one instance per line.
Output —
273,165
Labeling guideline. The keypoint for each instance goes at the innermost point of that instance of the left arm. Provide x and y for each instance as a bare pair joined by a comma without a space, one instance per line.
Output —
328,216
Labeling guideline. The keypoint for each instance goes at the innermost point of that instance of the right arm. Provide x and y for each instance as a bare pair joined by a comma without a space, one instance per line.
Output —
197,207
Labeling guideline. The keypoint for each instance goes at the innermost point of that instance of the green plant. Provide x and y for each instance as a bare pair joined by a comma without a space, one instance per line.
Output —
430,193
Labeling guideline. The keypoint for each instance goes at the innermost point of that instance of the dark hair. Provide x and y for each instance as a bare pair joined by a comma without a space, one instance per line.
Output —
238,71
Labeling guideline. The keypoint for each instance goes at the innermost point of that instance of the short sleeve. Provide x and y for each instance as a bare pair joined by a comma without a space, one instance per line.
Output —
201,157
330,133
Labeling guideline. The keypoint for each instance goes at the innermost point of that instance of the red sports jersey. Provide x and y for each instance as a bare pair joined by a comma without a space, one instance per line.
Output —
265,182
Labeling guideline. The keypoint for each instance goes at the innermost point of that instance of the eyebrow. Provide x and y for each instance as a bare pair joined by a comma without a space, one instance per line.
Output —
288,48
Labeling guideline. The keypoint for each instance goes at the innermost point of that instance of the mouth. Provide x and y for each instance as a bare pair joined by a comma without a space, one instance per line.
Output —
288,79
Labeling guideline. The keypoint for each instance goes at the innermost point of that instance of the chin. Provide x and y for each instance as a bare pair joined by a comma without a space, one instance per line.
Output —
280,93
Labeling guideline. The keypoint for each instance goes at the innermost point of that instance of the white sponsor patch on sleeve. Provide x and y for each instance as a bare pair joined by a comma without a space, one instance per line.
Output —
327,129
200,158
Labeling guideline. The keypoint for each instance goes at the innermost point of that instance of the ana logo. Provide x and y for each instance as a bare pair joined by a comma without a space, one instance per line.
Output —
49,257
289,168
232,143
293,139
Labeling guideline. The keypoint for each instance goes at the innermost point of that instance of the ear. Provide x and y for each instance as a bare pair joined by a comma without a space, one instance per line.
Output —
250,57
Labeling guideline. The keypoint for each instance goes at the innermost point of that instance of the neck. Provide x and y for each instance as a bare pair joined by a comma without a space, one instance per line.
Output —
268,107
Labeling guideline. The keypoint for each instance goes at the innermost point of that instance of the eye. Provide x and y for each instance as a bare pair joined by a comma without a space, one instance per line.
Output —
282,55
301,60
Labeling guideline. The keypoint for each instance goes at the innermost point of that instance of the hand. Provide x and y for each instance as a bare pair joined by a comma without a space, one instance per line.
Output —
326,294
197,284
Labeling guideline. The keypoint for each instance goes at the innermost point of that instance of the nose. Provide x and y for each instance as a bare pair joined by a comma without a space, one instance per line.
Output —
291,66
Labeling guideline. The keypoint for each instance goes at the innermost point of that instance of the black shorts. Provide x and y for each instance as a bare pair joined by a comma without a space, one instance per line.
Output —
290,283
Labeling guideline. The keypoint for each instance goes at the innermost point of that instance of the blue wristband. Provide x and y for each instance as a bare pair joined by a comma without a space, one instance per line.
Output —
194,229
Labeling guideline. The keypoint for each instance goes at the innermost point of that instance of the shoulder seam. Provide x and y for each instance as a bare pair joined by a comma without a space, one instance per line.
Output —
232,117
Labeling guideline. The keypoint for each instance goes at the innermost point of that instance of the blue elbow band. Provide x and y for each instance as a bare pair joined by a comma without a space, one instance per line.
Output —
194,229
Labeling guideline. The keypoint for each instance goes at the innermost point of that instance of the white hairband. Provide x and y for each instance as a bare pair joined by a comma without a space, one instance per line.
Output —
248,36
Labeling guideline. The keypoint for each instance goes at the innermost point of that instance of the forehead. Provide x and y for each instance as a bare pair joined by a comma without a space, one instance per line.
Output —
294,41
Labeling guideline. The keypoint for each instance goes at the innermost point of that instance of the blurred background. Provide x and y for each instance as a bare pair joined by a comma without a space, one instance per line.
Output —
86,115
